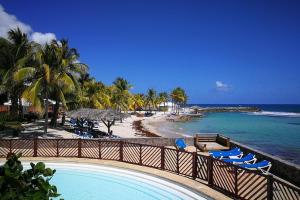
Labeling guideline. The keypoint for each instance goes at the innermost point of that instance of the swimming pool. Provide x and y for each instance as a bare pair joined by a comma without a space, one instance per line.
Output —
88,181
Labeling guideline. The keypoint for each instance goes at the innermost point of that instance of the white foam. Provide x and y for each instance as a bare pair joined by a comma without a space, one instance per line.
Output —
276,114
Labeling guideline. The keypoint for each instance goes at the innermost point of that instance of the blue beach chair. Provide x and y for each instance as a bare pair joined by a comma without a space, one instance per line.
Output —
248,159
180,144
264,166
233,153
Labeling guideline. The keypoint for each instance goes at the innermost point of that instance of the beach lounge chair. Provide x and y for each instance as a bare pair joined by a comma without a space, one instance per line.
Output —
232,154
248,159
264,166
180,144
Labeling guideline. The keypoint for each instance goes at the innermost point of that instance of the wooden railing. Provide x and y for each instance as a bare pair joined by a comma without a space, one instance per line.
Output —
230,179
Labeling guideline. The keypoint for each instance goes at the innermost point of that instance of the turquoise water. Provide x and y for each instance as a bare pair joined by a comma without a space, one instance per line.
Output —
78,183
277,133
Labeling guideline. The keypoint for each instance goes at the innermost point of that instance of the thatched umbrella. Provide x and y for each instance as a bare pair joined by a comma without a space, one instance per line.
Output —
81,113
108,117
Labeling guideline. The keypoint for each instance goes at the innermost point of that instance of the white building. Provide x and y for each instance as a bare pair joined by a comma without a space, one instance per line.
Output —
169,105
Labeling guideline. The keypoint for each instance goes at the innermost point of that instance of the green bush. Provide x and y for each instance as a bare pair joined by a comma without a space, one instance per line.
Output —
8,122
31,184
6,117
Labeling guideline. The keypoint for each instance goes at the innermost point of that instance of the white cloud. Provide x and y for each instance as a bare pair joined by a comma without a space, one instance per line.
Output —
42,38
8,21
221,86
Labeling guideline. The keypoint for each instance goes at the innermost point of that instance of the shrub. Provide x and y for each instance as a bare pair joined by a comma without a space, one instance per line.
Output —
31,184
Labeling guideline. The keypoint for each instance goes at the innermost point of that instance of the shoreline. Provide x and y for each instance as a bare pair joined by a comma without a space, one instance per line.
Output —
157,125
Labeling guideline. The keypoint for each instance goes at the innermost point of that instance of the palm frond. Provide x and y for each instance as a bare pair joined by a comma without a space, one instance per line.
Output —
32,94
46,72
66,82
62,98
24,73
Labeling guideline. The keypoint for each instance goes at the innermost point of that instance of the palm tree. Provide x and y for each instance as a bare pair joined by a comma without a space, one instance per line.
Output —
138,101
46,78
179,97
121,94
69,69
15,53
95,95
163,97
151,98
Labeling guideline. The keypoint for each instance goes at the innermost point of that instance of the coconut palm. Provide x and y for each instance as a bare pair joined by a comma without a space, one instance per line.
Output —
95,95
15,53
47,78
163,98
179,97
69,69
137,101
121,94
151,99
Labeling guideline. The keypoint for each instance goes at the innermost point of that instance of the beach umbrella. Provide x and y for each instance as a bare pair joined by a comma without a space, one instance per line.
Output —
108,117
80,113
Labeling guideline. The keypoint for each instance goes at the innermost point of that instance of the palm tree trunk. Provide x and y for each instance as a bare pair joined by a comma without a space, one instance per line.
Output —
14,105
55,114
21,114
46,115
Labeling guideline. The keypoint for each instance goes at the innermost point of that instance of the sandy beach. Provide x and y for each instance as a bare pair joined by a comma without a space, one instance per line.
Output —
153,126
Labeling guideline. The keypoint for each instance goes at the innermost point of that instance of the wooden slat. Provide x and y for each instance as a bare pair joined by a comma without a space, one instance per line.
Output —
89,149
68,148
22,146
4,147
110,150
131,153
47,148
170,160
202,164
151,156
284,191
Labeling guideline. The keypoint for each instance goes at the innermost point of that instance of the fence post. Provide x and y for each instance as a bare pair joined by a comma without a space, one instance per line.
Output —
236,181
177,161
79,148
210,170
270,181
57,149
99,144
10,145
121,150
195,159
35,147
140,163
162,157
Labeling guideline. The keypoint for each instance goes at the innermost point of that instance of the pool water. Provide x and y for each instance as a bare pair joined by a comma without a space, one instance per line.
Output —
86,181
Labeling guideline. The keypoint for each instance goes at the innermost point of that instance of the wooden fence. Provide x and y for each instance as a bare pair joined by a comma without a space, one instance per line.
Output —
227,178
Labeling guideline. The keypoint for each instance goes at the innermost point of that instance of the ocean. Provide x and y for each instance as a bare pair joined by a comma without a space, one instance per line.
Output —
275,130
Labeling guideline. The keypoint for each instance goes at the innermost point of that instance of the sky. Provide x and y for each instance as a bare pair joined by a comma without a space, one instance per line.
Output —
223,52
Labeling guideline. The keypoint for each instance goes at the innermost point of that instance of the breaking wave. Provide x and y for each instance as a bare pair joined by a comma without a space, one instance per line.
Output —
276,114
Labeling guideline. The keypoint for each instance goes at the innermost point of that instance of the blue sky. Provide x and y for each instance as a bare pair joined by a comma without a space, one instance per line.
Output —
219,51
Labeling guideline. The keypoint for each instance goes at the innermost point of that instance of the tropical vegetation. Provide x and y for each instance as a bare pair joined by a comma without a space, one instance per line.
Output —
19,184
41,74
